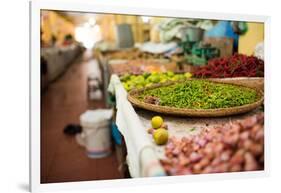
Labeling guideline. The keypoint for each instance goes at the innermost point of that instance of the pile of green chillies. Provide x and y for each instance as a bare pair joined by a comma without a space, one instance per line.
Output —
201,94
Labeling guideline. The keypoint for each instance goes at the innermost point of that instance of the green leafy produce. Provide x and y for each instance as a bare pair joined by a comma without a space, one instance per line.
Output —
139,81
199,94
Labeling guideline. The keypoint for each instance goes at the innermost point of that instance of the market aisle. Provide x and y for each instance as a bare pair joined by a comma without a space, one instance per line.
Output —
62,160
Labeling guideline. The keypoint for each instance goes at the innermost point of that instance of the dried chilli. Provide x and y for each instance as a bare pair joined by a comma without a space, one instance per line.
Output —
237,65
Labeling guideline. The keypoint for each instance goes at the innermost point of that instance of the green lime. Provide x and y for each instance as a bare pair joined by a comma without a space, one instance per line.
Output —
188,75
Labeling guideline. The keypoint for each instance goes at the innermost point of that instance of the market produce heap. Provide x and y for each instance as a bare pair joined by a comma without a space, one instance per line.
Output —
232,147
199,94
147,79
238,65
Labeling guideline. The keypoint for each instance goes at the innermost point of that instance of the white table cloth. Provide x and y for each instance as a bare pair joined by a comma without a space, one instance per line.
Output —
141,155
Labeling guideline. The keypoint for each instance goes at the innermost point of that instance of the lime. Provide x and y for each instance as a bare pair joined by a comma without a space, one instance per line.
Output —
160,136
126,86
148,84
170,74
155,78
188,75
156,122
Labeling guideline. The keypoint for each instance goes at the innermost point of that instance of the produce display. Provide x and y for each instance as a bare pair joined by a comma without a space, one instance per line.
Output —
147,79
140,66
199,94
159,130
238,65
131,54
234,147
172,87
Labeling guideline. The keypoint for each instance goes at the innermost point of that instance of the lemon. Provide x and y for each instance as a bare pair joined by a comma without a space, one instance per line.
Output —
160,136
156,122
188,75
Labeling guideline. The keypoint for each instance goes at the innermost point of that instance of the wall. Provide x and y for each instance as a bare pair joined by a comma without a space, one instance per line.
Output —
253,36
108,22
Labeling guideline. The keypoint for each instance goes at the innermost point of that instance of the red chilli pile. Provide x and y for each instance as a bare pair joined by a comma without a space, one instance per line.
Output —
229,148
237,65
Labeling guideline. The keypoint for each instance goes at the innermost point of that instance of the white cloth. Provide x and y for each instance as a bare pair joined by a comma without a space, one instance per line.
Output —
58,58
141,157
158,48
259,50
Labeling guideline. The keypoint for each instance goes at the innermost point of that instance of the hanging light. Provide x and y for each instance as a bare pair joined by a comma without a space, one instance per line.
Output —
145,19
92,21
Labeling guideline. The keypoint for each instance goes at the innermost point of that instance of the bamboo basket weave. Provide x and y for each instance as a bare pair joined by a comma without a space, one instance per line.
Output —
219,112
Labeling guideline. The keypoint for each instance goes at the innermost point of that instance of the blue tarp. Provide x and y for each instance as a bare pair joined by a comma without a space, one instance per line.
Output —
117,137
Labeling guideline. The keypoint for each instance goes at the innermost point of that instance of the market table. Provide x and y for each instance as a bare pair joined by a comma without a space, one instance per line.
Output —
58,58
143,154
141,157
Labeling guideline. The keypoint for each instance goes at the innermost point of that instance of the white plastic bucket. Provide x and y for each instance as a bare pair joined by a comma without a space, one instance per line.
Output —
96,132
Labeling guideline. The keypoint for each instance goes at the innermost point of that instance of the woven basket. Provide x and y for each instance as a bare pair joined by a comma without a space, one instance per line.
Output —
193,112
252,82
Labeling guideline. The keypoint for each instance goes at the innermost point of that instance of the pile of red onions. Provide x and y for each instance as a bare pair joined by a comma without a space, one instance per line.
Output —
238,65
233,147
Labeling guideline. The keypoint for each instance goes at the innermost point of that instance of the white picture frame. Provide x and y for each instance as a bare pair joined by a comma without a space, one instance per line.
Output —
94,7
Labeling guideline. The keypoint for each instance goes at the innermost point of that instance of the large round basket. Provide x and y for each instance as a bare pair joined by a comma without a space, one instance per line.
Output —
219,112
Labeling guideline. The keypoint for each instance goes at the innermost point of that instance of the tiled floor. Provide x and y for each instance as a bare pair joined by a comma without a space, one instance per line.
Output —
62,159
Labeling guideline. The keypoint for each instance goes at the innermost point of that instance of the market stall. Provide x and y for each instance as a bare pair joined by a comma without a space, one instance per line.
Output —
59,48
139,125
195,79
201,91
132,61
247,73
58,58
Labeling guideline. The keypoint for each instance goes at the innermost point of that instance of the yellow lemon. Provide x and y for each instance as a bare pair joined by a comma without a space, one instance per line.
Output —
160,136
188,75
156,122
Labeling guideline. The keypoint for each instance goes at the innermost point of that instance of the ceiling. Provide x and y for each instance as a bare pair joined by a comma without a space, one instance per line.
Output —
79,18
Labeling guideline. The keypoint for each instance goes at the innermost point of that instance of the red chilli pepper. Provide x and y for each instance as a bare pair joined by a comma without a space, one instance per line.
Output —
234,66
